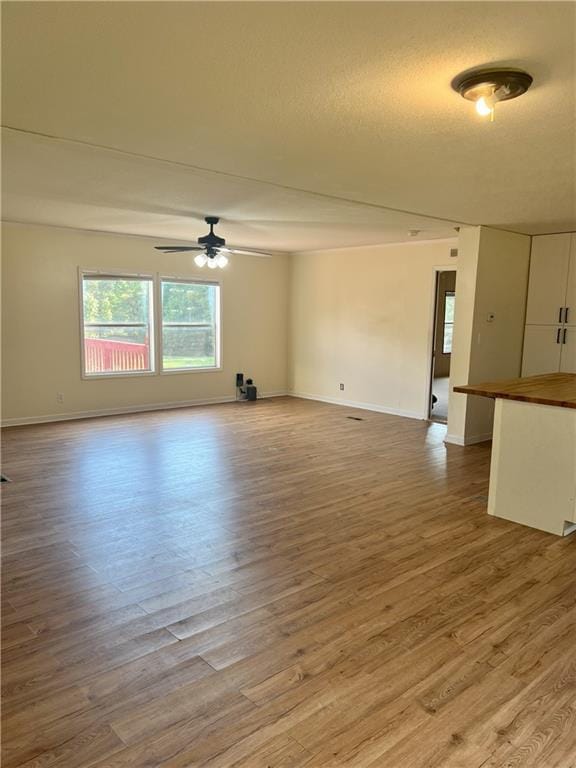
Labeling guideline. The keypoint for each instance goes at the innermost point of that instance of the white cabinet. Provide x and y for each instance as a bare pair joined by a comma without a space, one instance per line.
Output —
568,347
570,301
550,333
542,349
549,262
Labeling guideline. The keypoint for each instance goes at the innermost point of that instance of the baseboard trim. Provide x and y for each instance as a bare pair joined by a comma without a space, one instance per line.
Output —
76,415
472,440
361,406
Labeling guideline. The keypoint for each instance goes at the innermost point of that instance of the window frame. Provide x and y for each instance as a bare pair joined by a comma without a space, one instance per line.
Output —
117,275
160,324
447,294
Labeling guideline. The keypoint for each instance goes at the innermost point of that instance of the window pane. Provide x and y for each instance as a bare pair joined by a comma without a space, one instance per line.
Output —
117,334
449,302
447,344
116,301
189,325
188,302
449,308
188,347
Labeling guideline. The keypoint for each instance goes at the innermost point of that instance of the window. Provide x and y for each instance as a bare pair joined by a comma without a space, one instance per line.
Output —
449,300
120,322
117,325
190,325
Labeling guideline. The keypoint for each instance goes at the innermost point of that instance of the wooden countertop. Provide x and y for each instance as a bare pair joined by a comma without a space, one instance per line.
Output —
557,389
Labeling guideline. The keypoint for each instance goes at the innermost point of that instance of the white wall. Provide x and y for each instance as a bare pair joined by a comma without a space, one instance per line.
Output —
468,248
41,332
492,279
363,316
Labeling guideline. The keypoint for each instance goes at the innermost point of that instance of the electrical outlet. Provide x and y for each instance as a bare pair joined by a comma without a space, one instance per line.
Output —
342,387
59,397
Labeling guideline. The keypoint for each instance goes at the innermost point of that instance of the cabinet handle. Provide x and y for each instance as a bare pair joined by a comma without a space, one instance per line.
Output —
560,314
558,335
566,314
564,337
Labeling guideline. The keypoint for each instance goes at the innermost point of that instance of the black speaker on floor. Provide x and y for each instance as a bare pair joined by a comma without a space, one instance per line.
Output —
251,391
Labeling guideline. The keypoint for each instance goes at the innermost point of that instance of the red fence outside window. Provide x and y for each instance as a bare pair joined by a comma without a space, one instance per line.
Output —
103,356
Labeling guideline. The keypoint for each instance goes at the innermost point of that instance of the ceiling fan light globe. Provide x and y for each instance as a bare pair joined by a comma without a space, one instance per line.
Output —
212,263
200,260
222,260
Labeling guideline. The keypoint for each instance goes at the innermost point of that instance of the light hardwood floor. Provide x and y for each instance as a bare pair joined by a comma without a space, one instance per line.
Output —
275,584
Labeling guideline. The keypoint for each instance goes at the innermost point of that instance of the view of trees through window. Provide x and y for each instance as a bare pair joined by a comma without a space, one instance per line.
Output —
119,328
189,325
117,325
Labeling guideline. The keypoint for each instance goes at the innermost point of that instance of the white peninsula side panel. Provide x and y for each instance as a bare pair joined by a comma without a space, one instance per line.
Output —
533,466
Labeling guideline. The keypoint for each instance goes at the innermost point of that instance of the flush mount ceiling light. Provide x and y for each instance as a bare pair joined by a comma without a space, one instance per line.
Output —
486,87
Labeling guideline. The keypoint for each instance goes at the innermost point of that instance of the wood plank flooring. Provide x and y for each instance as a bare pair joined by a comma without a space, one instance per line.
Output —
272,585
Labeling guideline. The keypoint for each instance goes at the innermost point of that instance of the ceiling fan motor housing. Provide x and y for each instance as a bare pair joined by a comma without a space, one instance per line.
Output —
211,240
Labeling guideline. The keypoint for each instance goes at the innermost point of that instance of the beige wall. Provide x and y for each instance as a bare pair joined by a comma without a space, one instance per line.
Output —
492,280
41,341
306,323
363,317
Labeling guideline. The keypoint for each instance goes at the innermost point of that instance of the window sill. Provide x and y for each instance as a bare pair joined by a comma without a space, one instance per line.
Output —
170,371
119,375
131,375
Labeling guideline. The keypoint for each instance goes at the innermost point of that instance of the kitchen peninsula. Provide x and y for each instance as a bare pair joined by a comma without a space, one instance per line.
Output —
533,466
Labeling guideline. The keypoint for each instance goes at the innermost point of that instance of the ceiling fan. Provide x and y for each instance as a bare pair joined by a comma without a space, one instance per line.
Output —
212,249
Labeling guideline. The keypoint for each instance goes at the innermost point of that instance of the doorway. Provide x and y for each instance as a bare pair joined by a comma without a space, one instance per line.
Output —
442,345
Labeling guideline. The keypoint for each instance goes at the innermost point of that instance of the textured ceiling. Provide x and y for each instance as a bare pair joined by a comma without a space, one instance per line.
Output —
72,185
349,100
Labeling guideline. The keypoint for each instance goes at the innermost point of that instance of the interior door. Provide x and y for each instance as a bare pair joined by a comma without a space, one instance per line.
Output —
568,350
542,349
548,275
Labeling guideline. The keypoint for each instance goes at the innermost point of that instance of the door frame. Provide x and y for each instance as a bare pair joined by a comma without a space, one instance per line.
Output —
432,331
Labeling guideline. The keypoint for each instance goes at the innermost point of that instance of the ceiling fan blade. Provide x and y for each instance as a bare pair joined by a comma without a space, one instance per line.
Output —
248,252
178,248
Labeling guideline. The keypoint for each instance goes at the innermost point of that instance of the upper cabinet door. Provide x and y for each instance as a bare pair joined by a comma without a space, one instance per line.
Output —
571,292
548,276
